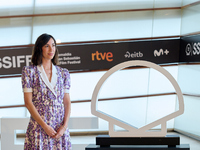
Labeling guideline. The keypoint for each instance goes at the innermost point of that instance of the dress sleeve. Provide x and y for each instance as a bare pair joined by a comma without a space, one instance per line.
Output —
27,79
67,80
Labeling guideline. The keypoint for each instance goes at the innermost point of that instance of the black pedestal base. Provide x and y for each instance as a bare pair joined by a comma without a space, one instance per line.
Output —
106,140
170,142
135,147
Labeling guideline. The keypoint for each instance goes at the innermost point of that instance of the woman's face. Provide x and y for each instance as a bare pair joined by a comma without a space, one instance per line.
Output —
48,50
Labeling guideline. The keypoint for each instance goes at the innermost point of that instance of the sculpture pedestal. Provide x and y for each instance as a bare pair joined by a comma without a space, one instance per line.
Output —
128,147
170,142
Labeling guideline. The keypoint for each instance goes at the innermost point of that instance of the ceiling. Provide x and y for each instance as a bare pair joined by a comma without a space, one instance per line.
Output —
27,7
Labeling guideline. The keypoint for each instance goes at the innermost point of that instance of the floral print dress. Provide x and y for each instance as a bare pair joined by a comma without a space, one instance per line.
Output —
47,97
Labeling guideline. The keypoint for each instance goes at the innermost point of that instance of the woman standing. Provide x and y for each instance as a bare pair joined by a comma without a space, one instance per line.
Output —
46,95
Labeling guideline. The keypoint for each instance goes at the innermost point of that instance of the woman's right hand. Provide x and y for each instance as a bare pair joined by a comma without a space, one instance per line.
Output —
49,131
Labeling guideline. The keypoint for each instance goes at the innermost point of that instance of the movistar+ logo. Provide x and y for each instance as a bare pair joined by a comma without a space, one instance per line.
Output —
160,52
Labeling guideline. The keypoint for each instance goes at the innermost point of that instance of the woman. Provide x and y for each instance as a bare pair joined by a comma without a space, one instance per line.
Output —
46,95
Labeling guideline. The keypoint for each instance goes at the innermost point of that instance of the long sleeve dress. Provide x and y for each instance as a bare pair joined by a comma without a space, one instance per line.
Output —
47,97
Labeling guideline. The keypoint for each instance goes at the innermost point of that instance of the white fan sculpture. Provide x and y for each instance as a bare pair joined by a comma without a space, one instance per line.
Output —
132,131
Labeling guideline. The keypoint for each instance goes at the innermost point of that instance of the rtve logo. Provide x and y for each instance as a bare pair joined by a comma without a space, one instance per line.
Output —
102,56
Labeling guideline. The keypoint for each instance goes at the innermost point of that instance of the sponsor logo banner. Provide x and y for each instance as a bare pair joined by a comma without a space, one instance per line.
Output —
95,56
107,55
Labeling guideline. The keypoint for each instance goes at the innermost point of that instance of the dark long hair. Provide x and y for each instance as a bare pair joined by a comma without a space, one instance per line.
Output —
37,50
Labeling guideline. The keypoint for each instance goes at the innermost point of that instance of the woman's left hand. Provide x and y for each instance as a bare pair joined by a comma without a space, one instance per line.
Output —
60,132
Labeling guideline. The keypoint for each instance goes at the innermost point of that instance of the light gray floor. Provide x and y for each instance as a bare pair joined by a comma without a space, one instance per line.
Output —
194,144
80,142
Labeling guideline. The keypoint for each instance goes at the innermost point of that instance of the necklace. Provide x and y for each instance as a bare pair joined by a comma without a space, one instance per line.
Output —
49,74
48,71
